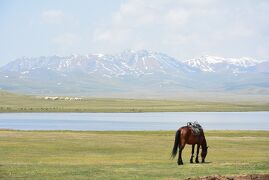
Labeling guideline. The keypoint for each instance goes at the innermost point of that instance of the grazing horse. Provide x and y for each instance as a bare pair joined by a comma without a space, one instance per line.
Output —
185,135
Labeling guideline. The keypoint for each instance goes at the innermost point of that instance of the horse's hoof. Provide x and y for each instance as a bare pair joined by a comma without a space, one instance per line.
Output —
197,161
191,161
180,163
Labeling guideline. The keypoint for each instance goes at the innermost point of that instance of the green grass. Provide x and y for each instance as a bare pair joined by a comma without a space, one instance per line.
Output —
126,155
21,103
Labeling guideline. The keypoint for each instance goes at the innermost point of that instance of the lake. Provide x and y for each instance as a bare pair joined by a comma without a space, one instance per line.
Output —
134,121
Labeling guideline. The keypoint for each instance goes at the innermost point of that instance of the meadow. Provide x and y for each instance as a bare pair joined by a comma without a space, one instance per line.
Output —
25,103
126,155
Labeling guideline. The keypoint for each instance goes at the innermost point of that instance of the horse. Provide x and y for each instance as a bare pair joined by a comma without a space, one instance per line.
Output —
185,135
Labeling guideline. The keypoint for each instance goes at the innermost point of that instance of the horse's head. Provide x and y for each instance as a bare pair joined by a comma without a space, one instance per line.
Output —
204,153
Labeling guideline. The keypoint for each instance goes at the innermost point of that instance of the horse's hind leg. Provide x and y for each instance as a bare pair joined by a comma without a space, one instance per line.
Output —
197,153
192,152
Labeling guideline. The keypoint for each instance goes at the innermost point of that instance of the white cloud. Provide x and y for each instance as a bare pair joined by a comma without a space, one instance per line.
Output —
187,28
53,16
263,50
176,17
66,39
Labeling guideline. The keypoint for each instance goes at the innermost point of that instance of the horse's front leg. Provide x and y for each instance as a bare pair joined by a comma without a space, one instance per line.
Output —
179,161
192,152
197,153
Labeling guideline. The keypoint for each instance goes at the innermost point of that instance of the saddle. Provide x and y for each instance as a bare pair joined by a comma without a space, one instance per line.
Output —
195,127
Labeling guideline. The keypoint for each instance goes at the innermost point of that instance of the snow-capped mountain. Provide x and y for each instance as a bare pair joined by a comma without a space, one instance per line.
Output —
129,71
126,63
220,64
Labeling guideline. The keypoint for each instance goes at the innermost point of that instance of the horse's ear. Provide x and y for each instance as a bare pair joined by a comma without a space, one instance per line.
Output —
207,147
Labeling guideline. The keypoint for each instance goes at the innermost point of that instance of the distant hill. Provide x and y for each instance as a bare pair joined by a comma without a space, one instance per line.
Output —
133,73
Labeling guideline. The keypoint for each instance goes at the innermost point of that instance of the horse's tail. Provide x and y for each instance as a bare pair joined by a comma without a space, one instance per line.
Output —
176,143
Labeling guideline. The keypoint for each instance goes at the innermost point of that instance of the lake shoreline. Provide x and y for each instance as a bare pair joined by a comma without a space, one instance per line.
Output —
134,131
127,112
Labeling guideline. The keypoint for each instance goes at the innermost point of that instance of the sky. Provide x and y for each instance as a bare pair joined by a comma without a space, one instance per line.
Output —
180,28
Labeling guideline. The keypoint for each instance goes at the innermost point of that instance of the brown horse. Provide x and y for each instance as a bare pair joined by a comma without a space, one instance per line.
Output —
185,135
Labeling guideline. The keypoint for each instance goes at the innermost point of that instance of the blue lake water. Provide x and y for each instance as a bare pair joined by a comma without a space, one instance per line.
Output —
134,121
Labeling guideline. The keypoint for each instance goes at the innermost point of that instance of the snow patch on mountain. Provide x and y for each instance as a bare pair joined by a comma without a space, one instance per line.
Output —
221,64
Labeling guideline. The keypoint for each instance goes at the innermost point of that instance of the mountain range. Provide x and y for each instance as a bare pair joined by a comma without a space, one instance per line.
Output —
130,72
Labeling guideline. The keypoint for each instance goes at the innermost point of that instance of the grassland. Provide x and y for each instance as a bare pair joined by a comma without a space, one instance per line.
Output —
126,155
10,102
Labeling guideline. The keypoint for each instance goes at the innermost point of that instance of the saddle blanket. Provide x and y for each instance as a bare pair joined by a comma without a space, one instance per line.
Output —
195,127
